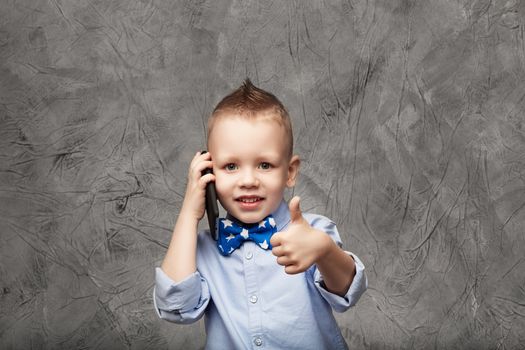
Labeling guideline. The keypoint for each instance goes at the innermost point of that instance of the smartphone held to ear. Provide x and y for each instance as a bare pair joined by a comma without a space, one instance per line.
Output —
212,208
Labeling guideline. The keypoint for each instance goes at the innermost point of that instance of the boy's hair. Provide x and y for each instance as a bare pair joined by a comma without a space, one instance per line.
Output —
250,102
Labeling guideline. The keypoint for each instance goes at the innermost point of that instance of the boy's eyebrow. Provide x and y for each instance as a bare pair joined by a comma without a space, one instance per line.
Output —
233,156
272,156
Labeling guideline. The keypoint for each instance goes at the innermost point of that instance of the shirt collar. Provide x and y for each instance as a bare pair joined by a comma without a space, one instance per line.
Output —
281,215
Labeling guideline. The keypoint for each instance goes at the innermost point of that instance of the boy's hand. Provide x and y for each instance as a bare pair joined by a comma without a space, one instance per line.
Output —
300,246
194,199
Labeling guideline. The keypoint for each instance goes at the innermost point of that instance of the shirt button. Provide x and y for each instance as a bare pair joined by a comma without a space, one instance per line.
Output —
258,341
253,299
249,255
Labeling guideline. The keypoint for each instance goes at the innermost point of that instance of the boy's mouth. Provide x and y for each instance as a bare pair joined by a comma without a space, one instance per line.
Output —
249,199
249,203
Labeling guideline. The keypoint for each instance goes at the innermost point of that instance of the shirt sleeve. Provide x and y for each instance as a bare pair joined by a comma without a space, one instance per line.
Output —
356,289
359,283
182,302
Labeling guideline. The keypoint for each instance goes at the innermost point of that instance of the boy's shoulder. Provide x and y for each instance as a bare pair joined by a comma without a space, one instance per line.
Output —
322,223
205,239
317,219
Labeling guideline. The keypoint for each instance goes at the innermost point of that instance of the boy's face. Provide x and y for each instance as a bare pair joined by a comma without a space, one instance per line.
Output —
251,166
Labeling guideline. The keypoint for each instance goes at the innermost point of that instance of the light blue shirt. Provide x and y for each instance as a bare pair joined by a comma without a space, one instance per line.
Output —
251,303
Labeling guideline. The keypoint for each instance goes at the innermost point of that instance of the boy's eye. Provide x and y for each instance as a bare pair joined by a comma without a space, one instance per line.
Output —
230,167
265,165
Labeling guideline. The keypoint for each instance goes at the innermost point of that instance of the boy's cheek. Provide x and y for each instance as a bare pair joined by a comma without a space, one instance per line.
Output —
220,191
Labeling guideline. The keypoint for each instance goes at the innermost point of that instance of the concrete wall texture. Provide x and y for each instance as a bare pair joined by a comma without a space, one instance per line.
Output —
408,117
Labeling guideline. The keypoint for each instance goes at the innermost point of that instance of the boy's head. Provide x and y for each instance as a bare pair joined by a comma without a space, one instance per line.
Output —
251,103
251,145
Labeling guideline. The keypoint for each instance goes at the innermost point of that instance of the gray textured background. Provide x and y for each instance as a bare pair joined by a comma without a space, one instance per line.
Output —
408,116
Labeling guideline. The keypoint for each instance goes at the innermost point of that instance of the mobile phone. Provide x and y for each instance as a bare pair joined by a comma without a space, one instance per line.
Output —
212,209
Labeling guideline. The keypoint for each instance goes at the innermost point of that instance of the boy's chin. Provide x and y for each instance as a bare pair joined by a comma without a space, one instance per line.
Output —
250,218
246,216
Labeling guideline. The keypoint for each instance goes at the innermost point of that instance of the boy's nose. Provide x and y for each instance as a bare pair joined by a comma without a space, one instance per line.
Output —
248,179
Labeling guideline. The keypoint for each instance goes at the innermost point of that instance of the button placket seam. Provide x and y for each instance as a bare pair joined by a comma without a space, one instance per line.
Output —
252,290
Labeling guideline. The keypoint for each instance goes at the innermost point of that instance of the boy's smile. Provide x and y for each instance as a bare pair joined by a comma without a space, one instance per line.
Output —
251,165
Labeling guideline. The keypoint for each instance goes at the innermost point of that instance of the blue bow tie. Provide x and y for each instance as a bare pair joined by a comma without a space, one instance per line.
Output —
232,235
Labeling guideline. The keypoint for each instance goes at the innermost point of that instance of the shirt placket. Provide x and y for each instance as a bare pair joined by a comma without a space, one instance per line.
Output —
253,295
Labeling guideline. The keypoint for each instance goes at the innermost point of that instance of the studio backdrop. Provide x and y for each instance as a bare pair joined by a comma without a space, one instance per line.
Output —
408,117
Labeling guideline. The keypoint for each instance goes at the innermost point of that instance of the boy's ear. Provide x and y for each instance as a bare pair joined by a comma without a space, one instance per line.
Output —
293,170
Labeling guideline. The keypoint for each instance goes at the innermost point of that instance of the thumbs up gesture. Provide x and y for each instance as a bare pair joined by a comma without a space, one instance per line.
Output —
300,246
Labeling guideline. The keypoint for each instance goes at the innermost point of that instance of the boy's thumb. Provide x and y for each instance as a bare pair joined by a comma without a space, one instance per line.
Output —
295,210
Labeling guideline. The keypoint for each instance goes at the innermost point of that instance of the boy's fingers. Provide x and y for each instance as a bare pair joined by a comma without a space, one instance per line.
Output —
198,156
275,241
207,178
195,158
199,167
205,164
295,210
284,261
277,251
292,269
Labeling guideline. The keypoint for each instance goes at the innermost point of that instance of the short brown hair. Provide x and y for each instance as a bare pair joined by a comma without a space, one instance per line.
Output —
251,102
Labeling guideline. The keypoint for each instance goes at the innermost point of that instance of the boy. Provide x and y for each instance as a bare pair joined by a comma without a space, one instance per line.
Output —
239,283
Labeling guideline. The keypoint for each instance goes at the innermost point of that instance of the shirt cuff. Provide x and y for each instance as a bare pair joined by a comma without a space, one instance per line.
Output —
356,289
180,296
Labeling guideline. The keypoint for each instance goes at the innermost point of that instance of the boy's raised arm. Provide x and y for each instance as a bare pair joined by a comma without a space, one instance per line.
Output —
180,259
337,268
301,246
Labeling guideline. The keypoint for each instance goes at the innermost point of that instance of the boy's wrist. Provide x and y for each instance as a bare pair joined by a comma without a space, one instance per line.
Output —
189,215
327,246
